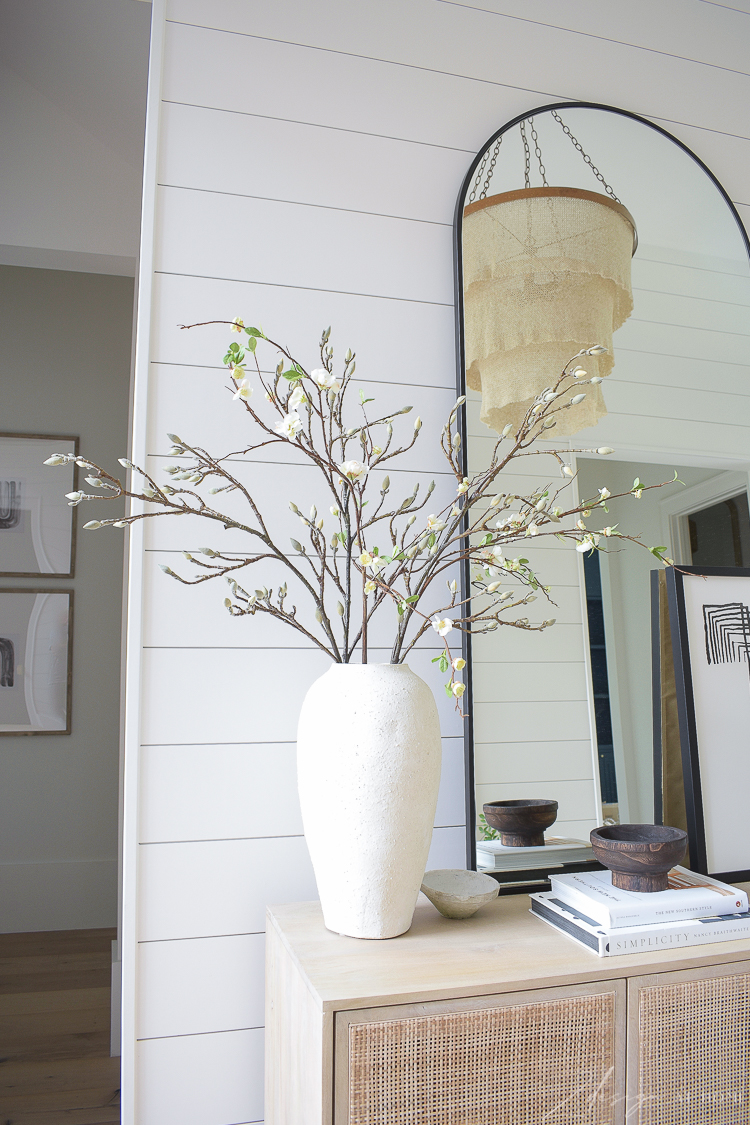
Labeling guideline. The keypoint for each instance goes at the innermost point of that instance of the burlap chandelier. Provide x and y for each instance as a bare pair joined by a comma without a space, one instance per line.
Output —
546,273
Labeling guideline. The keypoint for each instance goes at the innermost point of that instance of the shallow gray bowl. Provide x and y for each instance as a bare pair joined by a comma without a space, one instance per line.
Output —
459,894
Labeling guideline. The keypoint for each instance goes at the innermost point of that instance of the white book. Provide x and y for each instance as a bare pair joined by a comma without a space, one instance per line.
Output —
689,896
568,920
555,851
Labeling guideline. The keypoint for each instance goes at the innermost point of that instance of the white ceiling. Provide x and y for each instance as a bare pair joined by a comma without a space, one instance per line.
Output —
74,81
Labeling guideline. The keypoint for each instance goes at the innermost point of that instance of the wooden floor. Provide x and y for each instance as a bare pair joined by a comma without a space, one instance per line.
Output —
55,1067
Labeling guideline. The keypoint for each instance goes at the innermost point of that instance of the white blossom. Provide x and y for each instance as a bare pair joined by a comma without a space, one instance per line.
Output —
463,486
244,389
296,398
442,625
326,380
604,493
458,689
353,470
237,324
459,664
290,426
435,524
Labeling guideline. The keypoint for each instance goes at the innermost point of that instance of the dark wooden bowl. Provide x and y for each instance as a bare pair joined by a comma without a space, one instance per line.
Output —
639,855
521,824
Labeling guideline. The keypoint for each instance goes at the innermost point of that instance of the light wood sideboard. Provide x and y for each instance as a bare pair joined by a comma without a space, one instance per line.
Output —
499,1020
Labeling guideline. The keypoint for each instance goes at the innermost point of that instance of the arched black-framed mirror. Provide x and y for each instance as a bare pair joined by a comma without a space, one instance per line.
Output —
567,714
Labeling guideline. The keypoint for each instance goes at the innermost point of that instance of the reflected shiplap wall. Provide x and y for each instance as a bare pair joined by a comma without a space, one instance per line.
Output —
309,157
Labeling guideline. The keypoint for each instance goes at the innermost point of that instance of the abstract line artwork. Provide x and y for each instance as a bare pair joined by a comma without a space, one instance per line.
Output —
727,633
7,662
10,503
37,525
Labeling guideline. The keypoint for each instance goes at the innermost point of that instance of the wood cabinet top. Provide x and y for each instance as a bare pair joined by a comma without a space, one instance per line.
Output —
503,948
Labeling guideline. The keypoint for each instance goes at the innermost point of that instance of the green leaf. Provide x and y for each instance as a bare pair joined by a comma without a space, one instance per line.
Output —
443,662
255,332
252,344
431,540
292,375
448,691
413,598
435,659
486,540
233,348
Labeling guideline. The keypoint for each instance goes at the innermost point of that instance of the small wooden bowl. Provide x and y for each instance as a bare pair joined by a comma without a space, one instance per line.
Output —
639,855
521,824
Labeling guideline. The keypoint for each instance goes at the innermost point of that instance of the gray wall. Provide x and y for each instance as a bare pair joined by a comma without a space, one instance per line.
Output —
65,369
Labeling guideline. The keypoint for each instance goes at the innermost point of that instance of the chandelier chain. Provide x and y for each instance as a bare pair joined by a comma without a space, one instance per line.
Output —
538,153
577,145
527,156
478,178
490,171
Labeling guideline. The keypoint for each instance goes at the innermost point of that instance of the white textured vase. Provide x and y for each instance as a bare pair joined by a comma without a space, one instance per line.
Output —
368,760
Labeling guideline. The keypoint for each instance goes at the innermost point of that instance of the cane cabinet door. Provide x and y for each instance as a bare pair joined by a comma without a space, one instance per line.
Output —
553,1055
689,1047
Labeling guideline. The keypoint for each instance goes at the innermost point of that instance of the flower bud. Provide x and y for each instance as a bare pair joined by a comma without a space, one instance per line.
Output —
318,617
125,463
418,424
56,459
506,430
604,450
92,525
597,349
339,609
577,398
595,379
579,373
567,471
493,586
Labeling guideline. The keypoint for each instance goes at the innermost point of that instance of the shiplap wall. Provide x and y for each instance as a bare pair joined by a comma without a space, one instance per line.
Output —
307,161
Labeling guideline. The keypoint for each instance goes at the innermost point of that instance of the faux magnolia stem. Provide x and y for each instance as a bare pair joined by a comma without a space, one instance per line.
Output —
388,550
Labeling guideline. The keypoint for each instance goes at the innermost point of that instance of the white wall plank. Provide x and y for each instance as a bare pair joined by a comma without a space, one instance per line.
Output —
201,1079
524,762
395,341
309,247
219,887
516,721
215,792
549,680
200,985
240,685
676,27
238,154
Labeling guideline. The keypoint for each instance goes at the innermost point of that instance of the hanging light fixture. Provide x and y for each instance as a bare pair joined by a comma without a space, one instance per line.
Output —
546,274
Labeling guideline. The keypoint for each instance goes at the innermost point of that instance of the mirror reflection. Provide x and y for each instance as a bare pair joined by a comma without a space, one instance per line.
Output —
566,715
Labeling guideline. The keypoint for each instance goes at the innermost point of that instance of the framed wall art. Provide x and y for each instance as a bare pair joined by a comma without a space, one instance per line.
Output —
37,525
709,614
36,644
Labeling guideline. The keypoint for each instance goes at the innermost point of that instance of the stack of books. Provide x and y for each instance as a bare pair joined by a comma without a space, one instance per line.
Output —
696,910
554,852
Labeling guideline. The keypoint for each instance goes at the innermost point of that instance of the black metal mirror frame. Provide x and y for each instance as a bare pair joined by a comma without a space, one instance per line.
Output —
471,850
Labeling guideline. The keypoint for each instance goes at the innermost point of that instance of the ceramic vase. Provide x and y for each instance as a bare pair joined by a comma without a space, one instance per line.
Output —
368,760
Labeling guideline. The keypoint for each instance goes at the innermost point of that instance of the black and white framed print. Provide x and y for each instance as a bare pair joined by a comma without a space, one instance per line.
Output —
37,525
36,640
709,611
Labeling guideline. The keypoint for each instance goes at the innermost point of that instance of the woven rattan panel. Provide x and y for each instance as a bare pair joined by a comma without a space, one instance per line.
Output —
694,1066
526,1064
